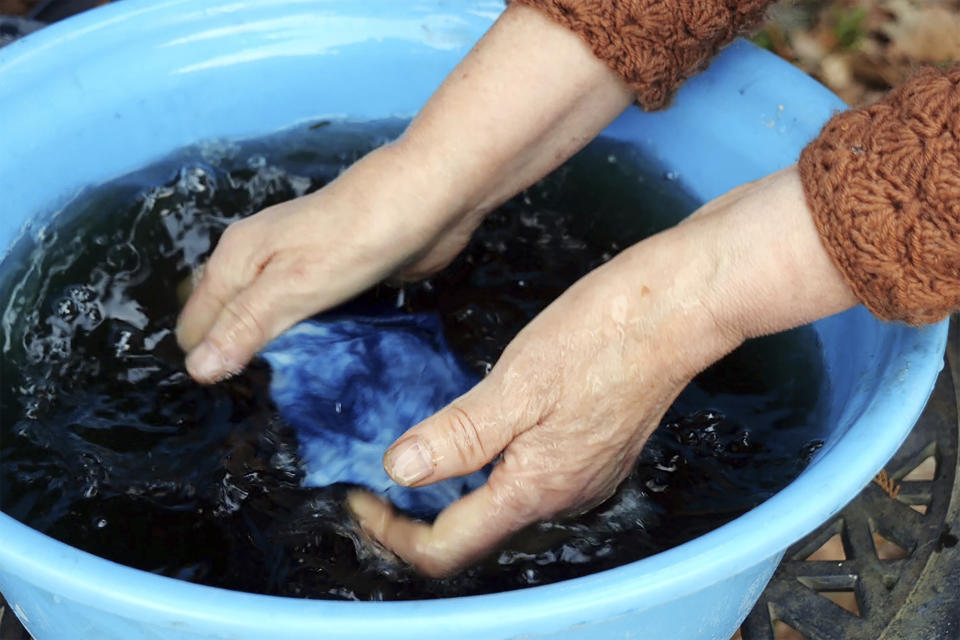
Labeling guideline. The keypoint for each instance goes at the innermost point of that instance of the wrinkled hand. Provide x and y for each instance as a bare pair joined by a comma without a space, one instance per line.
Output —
409,207
574,397
295,259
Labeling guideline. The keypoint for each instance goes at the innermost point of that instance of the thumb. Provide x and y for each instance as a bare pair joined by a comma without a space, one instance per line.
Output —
459,439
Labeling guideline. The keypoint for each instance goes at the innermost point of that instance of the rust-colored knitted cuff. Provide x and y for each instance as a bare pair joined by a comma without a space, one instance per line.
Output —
654,44
883,184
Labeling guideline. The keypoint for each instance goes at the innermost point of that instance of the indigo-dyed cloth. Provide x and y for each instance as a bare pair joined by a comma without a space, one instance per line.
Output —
351,385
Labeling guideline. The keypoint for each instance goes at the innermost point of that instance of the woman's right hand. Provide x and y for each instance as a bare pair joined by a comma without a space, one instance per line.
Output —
573,398
528,96
297,258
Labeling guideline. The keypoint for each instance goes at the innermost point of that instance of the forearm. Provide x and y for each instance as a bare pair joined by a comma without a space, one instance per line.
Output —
526,98
748,264
773,272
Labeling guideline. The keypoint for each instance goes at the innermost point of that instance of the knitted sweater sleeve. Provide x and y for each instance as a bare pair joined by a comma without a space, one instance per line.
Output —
883,184
655,45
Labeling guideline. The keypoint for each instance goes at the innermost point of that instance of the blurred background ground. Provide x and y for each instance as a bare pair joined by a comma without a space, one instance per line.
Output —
15,7
862,48
858,48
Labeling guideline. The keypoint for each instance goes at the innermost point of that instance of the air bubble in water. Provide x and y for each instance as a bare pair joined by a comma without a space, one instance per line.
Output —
123,344
67,309
92,318
45,237
123,257
82,293
195,179
299,184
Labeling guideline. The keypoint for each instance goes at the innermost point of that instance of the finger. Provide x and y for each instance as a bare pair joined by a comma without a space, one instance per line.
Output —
222,278
463,533
202,308
245,323
188,285
457,440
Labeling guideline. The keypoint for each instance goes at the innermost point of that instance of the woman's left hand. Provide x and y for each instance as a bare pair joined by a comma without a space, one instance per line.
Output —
574,397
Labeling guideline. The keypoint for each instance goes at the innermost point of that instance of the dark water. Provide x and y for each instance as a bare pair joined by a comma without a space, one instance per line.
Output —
106,444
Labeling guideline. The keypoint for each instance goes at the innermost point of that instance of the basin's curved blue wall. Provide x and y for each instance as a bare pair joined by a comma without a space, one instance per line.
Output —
110,91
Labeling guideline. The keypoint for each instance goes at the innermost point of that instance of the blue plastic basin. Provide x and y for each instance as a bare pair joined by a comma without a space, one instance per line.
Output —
113,90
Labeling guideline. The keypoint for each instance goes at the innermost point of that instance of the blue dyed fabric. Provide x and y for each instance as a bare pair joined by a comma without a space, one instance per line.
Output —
351,385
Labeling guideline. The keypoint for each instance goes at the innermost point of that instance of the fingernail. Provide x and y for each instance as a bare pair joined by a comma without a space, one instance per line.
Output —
409,462
206,362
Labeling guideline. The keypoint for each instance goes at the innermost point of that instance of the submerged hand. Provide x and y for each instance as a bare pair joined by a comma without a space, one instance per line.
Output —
298,258
574,397
409,207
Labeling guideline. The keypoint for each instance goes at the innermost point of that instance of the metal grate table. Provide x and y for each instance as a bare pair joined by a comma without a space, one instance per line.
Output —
911,595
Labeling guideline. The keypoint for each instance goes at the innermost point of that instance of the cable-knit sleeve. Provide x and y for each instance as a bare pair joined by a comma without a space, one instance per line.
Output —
883,184
654,44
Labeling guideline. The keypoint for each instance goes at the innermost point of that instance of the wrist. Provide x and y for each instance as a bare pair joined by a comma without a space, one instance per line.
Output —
392,187
528,96
657,295
446,188
747,264
769,270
